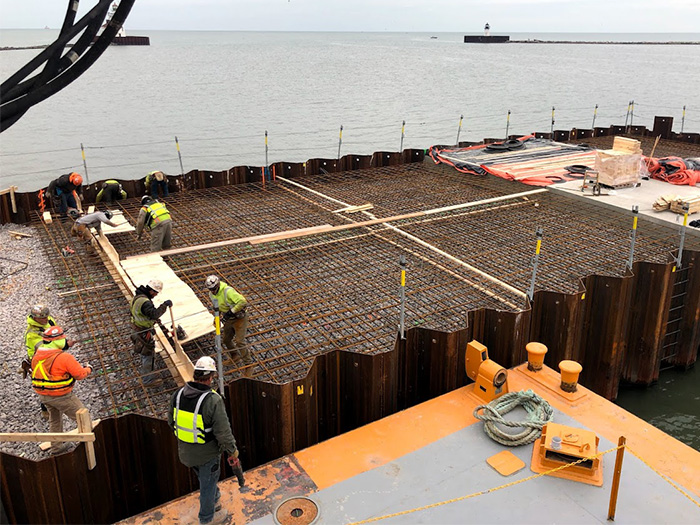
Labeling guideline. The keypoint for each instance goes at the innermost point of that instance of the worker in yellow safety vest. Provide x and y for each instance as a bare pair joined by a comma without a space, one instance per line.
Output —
38,321
144,315
155,218
198,418
111,191
234,314
54,373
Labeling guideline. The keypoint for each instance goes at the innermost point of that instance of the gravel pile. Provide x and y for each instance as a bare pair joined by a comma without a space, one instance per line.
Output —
26,278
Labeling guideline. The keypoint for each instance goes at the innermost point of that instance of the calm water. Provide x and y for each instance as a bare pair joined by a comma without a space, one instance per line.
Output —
219,91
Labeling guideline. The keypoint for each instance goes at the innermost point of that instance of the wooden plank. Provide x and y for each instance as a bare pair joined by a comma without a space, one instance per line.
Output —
44,436
13,189
46,445
91,209
46,216
85,427
123,225
355,209
20,234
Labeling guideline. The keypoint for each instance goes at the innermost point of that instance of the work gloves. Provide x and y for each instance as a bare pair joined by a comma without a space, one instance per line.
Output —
168,303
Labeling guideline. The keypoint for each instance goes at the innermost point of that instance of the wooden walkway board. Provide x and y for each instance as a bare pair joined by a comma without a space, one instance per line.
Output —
189,311
123,224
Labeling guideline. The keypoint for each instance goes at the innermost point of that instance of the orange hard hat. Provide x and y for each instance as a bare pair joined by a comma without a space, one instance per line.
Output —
76,179
53,333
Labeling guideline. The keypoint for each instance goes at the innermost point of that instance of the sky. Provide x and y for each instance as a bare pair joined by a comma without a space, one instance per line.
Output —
464,16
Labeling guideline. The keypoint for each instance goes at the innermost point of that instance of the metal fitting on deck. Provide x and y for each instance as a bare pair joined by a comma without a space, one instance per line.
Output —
535,356
570,371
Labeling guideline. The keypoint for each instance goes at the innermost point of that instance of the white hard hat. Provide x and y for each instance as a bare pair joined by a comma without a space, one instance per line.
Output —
212,282
156,285
205,364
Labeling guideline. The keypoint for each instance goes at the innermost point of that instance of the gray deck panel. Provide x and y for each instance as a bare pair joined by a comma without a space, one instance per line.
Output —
455,466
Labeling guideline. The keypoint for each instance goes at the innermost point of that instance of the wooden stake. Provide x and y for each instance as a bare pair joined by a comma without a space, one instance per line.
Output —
84,426
616,478
19,234
13,189
654,148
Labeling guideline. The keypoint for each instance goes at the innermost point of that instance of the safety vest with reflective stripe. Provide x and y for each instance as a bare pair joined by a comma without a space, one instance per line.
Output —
44,382
157,213
189,425
223,297
137,316
35,334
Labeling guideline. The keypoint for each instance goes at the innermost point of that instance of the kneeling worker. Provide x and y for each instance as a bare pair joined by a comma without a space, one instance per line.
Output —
81,227
155,218
111,191
198,418
54,373
233,307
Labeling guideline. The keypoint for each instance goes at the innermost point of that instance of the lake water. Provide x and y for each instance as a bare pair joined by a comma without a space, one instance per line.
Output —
218,92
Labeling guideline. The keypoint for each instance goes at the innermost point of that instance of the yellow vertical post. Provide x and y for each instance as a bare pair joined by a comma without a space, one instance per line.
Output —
402,312
616,477
552,128
459,129
595,114
507,124
82,152
340,140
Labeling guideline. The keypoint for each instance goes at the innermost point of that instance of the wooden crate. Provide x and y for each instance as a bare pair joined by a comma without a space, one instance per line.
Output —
692,202
625,145
617,169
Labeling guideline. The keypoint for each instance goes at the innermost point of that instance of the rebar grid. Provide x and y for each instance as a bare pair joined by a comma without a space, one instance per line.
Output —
339,290
226,212
99,321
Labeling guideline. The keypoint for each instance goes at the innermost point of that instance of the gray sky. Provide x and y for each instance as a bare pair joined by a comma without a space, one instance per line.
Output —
464,16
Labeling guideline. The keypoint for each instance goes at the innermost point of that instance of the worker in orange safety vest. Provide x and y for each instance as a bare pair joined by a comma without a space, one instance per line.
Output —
54,373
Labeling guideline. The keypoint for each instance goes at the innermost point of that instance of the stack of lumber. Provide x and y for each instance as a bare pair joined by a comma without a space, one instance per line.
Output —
620,166
627,146
693,204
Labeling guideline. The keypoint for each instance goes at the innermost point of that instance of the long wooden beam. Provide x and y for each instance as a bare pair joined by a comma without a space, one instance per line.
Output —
40,437
303,232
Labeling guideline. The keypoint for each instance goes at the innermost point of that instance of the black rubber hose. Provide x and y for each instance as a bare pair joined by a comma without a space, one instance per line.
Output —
59,43
77,69
66,61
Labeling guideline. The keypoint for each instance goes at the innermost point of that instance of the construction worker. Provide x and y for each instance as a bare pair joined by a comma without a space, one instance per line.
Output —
111,192
233,308
66,191
144,315
54,373
155,180
198,418
81,227
38,321
155,218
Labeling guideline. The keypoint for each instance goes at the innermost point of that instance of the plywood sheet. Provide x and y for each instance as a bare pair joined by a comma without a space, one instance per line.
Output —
189,311
123,224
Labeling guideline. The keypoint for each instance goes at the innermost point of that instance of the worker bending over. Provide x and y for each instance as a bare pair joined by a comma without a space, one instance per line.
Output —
198,418
54,373
155,218
144,315
155,180
66,192
233,307
81,227
111,192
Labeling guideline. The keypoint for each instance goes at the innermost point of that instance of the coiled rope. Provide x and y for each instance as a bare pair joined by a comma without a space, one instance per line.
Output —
539,413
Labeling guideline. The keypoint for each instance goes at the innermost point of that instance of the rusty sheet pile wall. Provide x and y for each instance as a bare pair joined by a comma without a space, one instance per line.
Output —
324,314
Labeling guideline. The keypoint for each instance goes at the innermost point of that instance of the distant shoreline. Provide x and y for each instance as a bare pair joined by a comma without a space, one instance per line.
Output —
607,42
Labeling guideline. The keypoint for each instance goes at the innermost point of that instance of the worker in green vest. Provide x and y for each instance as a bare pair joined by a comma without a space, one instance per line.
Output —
155,218
111,191
144,315
233,308
198,418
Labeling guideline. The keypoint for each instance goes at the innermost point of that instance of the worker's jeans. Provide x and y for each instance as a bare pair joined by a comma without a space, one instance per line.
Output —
65,201
236,328
162,184
209,493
